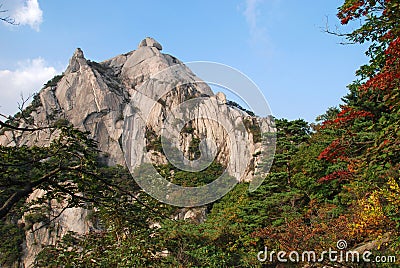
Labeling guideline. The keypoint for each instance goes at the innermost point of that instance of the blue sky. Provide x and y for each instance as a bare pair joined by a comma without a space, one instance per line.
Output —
279,44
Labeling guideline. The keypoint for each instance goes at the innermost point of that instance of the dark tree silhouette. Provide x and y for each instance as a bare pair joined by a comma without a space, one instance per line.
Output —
6,18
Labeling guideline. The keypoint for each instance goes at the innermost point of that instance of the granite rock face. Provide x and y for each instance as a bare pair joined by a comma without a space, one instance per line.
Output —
150,42
140,85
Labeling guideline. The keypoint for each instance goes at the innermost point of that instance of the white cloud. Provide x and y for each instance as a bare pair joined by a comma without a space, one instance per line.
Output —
257,32
27,79
28,12
251,13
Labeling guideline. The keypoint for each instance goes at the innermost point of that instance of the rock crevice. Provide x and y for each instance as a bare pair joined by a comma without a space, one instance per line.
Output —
98,97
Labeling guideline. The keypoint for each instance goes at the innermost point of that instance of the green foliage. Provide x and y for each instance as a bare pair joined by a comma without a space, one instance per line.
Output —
54,81
252,126
218,242
123,237
35,215
191,179
234,104
337,179
188,129
10,248
290,205
36,102
61,170
194,149
153,141
278,199
25,115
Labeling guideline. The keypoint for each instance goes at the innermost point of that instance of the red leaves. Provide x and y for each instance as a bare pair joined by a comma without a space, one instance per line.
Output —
348,114
377,96
385,142
393,52
389,77
352,11
383,81
317,230
339,175
333,151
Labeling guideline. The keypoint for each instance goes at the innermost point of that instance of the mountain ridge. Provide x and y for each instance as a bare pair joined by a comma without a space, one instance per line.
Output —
98,98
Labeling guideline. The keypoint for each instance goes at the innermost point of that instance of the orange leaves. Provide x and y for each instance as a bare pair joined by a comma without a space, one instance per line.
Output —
317,230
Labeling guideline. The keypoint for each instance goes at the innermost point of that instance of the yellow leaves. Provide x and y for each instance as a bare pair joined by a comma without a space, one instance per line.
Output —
370,211
370,218
392,193
354,165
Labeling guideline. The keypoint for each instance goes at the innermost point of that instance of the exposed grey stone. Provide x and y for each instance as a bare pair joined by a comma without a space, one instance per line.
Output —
221,97
150,42
94,97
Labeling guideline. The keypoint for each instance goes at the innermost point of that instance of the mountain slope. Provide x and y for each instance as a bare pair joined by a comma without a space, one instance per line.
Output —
107,97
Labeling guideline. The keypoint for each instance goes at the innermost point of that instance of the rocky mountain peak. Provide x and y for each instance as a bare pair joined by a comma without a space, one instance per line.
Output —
150,42
78,53
221,98
108,97
76,61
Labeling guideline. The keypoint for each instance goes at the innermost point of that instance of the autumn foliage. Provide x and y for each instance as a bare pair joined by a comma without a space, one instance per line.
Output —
360,161
333,180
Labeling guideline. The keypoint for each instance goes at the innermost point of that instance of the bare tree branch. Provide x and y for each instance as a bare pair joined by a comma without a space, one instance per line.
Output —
7,19
335,32
3,115
5,125
21,106
52,220
22,193
126,192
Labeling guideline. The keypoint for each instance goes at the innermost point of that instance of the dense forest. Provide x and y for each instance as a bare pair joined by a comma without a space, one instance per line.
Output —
333,180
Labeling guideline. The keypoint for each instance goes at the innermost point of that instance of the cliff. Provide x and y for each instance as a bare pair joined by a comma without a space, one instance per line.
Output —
114,96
